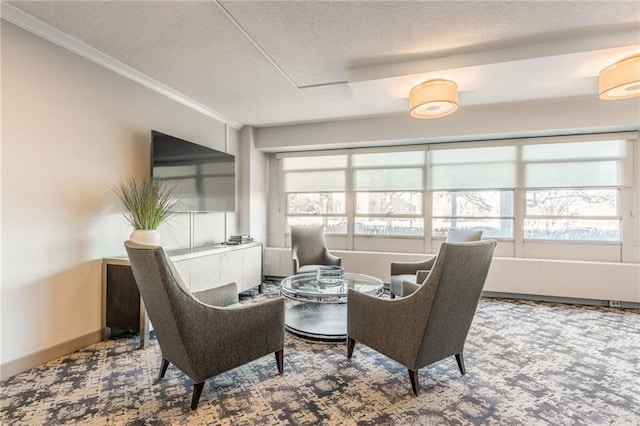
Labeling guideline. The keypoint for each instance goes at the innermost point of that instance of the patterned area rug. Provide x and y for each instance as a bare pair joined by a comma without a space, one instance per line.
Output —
527,363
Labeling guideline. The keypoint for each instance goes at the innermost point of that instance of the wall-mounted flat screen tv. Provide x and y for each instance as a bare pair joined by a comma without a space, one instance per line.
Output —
204,178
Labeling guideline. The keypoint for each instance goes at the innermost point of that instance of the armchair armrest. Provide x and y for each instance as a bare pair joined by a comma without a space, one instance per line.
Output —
219,296
409,288
392,327
400,268
246,331
422,275
256,319
296,262
330,259
259,323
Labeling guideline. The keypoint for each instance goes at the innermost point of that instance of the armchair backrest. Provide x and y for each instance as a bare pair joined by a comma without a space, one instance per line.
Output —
308,245
165,297
456,235
455,284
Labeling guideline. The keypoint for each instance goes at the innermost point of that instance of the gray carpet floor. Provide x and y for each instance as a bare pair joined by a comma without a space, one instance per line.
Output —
527,363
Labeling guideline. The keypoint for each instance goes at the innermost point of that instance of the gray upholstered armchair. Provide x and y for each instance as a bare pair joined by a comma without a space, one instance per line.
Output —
416,272
433,320
309,249
204,333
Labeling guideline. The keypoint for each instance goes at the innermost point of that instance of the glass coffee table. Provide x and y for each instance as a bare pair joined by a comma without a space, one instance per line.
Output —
320,313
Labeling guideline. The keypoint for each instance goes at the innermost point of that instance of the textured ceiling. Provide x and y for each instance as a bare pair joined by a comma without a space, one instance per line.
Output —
203,50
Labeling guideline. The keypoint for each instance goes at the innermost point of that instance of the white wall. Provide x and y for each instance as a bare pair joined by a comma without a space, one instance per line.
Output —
598,281
71,129
527,119
252,216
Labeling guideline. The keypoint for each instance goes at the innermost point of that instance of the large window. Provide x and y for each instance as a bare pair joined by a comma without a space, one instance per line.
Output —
467,192
572,214
487,211
323,208
388,191
389,213
315,191
565,189
573,189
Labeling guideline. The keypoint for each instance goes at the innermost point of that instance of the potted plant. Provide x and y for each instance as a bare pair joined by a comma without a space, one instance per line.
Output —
146,206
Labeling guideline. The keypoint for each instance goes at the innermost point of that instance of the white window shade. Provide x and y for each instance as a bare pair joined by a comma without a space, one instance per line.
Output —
314,173
578,164
386,159
574,151
573,175
314,162
388,179
600,163
473,168
314,181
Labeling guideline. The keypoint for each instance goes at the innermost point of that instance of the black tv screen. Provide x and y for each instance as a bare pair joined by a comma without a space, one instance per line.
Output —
204,178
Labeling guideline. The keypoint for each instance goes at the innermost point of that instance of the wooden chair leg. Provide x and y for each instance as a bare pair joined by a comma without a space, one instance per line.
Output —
197,390
415,382
163,368
351,343
280,360
460,361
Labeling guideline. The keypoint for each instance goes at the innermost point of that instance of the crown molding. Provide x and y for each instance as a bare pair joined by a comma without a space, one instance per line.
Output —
47,32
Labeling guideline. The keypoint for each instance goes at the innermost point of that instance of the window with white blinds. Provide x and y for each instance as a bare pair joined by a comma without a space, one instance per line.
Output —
603,163
568,188
314,173
315,191
489,211
389,193
473,168
572,190
577,164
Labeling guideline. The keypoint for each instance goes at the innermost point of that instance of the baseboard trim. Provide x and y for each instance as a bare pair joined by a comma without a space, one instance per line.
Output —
557,299
20,365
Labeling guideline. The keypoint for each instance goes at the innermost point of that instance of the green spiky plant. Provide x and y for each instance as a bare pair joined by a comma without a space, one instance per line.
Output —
147,205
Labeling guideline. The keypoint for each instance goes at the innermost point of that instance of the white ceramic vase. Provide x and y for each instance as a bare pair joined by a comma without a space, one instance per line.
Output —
149,237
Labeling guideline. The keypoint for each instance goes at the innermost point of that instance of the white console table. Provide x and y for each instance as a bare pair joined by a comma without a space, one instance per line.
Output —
201,268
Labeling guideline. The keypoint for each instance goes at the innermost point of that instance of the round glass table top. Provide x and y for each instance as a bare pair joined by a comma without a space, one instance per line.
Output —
309,287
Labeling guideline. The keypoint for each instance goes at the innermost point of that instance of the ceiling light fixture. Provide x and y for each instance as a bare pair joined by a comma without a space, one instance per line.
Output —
621,80
433,99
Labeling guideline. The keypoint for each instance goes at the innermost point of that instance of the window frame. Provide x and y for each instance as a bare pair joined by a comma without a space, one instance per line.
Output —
628,166
617,217
323,215
511,218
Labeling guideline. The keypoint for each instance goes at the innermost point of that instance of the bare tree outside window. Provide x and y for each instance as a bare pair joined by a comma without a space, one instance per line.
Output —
490,211
572,214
